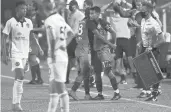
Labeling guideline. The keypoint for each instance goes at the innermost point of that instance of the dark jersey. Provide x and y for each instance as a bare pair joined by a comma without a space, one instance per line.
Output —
82,39
102,26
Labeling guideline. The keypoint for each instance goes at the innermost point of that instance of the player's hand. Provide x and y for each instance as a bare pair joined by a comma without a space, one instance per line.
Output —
148,49
41,52
113,46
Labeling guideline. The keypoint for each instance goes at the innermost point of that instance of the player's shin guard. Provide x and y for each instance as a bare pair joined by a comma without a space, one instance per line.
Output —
17,91
64,102
113,80
53,103
77,83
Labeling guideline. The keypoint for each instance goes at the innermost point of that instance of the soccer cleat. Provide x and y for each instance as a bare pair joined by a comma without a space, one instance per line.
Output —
116,96
123,82
40,81
73,95
142,95
16,107
152,98
88,97
99,97
32,82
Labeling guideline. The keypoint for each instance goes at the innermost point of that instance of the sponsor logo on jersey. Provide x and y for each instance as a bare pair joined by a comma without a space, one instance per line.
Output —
17,64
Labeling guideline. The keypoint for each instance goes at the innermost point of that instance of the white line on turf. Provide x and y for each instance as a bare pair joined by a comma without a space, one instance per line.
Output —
126,99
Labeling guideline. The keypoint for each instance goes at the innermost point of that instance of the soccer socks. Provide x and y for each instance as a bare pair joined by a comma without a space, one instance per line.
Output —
17,91
76,86
53,103
38,72
64,102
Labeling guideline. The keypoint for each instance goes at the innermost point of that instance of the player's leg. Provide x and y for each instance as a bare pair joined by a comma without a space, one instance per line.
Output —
77,82
118,57
39,78
18,67
107,60
97,65
58,88
84,64
33,63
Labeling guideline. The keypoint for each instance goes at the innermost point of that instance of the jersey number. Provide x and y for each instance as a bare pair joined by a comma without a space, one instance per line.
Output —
62,30
80,31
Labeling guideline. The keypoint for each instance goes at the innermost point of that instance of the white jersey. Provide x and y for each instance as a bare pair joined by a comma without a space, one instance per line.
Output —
20,36
59,28
56,25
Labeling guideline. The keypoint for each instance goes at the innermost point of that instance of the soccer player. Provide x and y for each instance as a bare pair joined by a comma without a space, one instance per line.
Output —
35,48
20,28
82,56
100,27
73,20
59,34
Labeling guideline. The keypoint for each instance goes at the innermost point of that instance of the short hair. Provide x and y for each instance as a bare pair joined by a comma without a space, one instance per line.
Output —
89,2
148,5
21,2
35,5
96,9
73,2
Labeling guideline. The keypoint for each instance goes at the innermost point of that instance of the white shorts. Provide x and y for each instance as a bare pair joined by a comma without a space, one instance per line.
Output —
18,63
58,70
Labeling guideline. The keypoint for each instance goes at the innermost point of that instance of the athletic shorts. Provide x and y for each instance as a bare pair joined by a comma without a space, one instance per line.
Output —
18,63
81,51
105,55
58,69
123,45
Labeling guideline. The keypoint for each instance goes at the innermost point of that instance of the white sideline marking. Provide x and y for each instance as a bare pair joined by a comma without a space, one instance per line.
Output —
126,99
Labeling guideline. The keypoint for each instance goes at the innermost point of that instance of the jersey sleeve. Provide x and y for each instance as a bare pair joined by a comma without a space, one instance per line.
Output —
91,25
157,28
7,28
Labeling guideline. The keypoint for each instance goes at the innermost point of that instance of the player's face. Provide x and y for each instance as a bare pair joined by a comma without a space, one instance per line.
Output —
21,10
94,15
85,6
139,5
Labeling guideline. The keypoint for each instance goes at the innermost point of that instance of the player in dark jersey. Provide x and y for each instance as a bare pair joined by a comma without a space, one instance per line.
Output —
102,46
82,56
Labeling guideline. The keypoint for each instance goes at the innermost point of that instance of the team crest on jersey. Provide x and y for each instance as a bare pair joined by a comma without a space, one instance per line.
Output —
16,24
19,34
27,25
17,64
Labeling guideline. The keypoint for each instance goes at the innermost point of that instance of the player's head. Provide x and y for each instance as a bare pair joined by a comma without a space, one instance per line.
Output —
60,5
87,4
146,9
21,8
95,12
73,6
136,4
48,7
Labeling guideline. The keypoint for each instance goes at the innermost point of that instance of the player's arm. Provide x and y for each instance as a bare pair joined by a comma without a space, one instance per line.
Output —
122,12
108,28
159,35
5,35
69,33
93,28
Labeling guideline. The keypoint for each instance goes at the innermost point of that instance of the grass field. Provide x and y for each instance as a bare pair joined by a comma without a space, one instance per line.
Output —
35,97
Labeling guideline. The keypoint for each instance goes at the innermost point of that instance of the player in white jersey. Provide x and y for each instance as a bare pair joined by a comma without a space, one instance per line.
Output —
58,36
20,28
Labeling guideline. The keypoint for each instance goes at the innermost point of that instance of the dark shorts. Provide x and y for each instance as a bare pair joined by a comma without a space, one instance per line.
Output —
123,45
71,48
81,51
105,55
